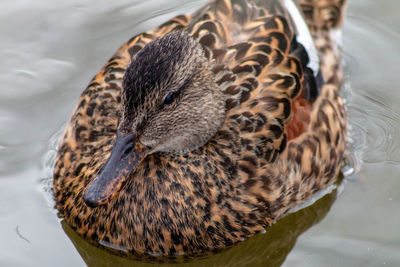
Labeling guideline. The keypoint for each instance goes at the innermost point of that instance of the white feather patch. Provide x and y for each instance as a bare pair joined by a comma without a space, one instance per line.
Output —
303,35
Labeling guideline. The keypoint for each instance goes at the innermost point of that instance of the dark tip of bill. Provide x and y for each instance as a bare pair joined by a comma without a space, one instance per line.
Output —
90,202
91,199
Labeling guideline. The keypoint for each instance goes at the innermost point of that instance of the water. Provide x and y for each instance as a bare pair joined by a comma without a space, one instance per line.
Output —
51,49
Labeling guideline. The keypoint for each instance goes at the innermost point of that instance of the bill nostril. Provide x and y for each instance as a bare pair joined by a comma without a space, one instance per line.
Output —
127,149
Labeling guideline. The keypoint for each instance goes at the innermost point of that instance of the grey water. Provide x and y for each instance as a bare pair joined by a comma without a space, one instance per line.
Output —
49,51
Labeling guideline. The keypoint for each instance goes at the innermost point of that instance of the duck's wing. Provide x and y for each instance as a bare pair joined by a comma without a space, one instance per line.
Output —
283,103
260,65
284,108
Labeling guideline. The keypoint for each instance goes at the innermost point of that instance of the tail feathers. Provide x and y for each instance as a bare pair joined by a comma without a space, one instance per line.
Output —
323,13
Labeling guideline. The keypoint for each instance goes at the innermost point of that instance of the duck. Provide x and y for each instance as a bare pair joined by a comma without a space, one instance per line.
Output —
206,130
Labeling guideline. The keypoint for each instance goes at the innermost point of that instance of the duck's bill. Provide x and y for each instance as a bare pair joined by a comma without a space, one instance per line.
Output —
126,155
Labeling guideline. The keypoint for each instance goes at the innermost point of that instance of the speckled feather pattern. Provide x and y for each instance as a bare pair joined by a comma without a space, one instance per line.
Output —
248,174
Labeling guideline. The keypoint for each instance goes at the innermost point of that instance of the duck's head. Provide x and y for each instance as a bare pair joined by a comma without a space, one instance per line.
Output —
170,103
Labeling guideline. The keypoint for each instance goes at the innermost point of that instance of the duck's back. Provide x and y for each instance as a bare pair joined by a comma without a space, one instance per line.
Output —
284,113
282,140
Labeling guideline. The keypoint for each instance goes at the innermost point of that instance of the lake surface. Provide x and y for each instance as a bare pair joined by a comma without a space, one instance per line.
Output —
51,49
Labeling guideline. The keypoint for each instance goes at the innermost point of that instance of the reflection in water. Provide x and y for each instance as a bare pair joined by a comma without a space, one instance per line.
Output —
269,249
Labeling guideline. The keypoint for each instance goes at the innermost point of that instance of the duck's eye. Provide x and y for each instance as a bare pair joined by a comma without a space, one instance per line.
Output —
169,98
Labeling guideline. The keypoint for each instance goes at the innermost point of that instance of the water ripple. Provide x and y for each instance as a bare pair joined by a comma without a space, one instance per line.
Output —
374,118
373,129
48,162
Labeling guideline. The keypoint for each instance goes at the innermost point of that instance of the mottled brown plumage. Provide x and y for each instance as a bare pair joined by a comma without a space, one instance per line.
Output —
233,125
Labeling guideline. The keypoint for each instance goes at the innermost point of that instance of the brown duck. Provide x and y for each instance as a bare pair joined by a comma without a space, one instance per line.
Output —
207,129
